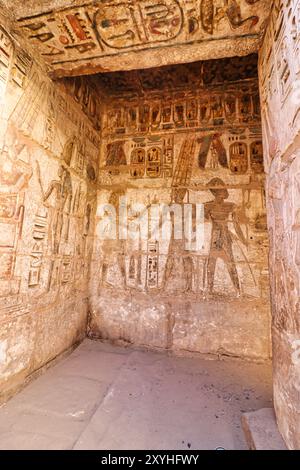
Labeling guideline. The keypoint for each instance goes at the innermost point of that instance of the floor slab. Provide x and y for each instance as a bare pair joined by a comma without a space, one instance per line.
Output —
107,397
261,430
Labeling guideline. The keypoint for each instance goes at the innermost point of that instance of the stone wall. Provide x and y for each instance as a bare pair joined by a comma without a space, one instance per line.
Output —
197,144
48,168
279,71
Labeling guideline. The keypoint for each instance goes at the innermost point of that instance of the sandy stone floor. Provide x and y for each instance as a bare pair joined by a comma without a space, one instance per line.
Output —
106,397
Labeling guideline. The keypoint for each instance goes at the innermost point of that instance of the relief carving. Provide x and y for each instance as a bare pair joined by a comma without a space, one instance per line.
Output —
220,133
213,144
94,30
14,177
61,209
113,250
214,111
219,212
48,174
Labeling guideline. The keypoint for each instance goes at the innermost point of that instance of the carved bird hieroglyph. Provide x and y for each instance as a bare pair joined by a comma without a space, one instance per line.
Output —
211,14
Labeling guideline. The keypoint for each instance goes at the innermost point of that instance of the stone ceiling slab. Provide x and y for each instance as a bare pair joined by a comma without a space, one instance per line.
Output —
82,37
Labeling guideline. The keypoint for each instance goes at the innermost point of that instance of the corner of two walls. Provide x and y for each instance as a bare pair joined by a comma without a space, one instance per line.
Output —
49,147
279,74
172,147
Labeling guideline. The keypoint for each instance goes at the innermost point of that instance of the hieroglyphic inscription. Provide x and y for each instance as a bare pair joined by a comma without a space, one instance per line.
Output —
6,54
215,129
152,157
39,236
210,110
14,177
152,264
99,29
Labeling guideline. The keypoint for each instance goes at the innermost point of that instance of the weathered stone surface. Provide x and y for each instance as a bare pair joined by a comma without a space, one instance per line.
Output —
76,38
206,326
53,411
173,78
108,397
196,145
279,71
48,170
188,134
261,430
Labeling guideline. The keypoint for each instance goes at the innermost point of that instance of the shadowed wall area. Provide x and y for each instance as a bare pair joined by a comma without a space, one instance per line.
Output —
196,142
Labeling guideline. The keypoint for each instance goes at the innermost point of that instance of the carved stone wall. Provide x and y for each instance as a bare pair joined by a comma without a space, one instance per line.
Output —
186,135
76,37
279,71
48,170
186,144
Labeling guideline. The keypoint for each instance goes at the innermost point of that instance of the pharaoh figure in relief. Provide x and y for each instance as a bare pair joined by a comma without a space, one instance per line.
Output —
296,225
95,30
112,248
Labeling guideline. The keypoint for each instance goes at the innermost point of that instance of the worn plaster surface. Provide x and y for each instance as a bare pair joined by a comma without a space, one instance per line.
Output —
107,397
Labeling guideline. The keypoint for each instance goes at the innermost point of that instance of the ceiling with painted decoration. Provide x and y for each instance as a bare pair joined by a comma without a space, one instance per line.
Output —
82,37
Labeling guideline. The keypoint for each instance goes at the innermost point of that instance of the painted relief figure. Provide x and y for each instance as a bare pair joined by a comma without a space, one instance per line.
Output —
221,213
62,191
113,249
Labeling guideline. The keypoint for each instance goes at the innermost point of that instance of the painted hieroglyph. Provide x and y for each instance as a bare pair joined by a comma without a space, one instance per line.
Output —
186,146
93,34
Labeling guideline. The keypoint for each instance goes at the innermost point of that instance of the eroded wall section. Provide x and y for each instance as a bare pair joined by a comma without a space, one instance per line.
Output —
48,169
279,71
163,143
